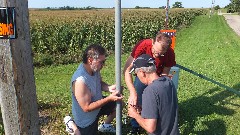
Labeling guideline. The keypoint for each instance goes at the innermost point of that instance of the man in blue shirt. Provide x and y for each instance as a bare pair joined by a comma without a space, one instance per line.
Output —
159,112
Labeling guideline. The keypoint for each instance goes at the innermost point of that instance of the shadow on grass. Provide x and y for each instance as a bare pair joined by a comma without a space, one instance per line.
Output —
45,111
209,103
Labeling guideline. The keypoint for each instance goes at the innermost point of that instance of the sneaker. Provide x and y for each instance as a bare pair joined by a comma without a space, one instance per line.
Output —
106,128
69,124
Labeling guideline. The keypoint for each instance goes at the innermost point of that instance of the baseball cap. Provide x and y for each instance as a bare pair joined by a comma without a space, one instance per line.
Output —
143,60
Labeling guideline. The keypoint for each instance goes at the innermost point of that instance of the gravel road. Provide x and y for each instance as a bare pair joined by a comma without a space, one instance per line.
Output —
234,22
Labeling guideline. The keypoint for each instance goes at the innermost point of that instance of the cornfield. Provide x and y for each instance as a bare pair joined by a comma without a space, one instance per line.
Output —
58,37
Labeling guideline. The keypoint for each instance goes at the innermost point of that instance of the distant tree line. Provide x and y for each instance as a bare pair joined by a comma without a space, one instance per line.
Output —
138,7
175,5
71,8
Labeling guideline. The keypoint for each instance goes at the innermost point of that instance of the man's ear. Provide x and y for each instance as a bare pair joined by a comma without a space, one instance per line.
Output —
90,60
143,74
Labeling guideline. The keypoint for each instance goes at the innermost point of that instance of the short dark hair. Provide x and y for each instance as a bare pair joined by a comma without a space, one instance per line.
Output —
93,51
163,37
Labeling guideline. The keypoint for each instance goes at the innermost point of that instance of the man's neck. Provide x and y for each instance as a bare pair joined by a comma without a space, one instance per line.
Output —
152,77
88,69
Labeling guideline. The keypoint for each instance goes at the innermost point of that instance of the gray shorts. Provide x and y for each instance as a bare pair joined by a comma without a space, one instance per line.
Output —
93,128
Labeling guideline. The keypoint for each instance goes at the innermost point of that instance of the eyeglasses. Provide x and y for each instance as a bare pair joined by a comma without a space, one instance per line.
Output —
160,53
101,62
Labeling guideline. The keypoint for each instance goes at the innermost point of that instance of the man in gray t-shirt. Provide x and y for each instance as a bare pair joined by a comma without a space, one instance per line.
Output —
88,103
159,114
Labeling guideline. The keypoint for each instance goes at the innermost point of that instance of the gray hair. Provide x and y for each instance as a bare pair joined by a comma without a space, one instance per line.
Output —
93,51
149,69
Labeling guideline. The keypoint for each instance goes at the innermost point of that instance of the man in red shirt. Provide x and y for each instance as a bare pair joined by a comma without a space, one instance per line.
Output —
158,48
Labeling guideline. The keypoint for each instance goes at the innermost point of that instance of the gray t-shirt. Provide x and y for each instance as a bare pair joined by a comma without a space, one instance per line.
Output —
84,119
159,101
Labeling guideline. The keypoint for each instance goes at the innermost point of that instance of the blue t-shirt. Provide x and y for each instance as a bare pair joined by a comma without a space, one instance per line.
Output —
159,101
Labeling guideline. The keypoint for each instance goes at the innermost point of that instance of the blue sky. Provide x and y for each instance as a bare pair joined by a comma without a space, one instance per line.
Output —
124,3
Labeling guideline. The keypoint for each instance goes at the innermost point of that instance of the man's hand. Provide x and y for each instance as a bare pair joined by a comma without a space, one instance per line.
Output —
112,88
115,96
132,100
133,110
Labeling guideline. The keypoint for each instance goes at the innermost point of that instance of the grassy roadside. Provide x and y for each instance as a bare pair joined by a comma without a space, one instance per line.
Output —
208,47
211,48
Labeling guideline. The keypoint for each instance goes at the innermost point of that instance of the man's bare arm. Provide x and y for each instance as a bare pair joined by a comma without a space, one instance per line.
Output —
83,96
129,80
148,124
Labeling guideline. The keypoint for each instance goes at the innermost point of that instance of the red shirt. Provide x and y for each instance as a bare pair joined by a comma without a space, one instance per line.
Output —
145,47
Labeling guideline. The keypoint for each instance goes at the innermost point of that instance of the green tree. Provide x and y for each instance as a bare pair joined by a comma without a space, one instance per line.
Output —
234,6
177,5
217,7
137,7
162,7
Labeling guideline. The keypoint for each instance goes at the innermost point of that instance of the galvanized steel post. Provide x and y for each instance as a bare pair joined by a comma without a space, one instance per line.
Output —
118,40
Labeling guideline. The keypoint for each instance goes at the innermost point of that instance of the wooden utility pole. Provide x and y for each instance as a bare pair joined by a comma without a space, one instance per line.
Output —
17,84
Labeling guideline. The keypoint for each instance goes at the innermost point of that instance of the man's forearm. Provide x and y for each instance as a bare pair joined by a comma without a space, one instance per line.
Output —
129,82
141,121
148,124
98,104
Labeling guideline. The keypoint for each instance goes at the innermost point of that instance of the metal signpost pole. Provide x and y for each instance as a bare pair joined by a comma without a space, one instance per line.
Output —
118,42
